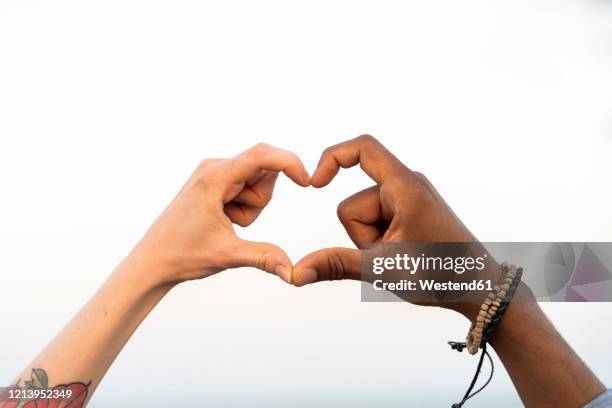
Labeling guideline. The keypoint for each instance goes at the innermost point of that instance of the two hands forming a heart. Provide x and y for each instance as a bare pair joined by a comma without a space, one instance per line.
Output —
194,237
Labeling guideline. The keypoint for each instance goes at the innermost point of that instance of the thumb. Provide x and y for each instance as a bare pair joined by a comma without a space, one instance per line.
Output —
261,255
328,264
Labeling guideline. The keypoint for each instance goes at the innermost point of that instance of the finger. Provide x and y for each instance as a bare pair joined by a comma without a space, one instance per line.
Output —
328,264
241,214
208,162
361,216
258,192
265,157
375,160
250,202
261,255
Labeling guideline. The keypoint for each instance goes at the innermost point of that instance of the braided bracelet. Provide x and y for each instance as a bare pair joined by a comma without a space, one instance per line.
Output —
491,307
502,309
489,316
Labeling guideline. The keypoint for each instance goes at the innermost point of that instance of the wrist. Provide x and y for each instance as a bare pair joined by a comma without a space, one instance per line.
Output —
468,309
471,306
147,273
523,315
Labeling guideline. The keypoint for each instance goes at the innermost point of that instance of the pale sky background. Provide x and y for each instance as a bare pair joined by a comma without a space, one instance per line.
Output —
106,107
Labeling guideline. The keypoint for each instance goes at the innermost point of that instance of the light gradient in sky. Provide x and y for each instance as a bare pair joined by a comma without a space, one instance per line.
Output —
106,107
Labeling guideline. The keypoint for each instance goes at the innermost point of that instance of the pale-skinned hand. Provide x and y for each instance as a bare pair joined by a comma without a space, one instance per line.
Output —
194,236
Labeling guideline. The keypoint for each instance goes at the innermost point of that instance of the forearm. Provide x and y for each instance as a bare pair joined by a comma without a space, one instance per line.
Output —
543,367
193,238
546,372
84,350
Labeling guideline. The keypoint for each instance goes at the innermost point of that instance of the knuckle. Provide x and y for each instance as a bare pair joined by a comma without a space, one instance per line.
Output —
206,177
336,265
422,181
208,173
204,163
342,211
263,260
261,147
420,176
422,192
327,151
367,138
209,162
294,157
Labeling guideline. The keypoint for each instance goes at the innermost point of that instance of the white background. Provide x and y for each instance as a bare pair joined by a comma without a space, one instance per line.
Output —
106,107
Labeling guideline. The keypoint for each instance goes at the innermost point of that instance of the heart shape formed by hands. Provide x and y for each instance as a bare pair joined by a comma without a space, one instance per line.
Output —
402,206
194,237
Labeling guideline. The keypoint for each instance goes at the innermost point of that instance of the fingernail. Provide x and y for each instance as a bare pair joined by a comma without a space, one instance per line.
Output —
283,273
308,275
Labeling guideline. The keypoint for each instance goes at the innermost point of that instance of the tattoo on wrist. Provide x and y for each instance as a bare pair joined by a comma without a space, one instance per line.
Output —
36,392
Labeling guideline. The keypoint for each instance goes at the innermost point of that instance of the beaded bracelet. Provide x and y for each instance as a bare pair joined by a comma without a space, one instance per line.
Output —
502,309
490,314
490,307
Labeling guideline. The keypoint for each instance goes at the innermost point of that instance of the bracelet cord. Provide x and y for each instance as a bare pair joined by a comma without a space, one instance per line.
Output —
467,395
459,346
